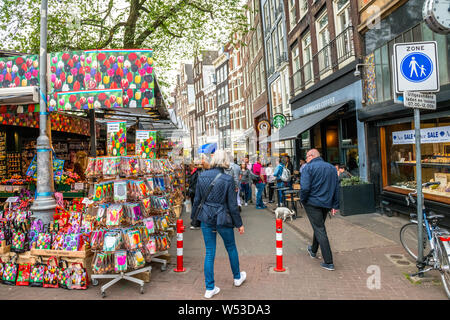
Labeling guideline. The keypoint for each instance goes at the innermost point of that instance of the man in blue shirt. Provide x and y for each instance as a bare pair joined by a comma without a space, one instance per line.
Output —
319,194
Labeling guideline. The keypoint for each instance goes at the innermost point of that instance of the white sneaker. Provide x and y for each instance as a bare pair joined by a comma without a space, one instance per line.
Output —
210,293
246,204
238,282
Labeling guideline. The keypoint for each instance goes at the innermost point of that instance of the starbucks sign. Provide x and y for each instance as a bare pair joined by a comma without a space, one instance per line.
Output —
279,120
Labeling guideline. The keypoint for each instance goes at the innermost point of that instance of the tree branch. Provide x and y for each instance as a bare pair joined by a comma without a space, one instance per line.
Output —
112,31
159,21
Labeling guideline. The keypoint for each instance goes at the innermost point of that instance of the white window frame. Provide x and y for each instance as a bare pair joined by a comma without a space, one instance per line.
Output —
307,57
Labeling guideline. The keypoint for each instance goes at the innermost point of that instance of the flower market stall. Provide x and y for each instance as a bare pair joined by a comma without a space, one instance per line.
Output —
125,204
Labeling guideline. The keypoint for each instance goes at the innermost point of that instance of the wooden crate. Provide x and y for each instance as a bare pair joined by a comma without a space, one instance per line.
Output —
145,276
83,253
4,248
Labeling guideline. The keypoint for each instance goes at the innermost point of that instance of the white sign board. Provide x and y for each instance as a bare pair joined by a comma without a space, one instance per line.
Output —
12,199
416,67
420,100
427,135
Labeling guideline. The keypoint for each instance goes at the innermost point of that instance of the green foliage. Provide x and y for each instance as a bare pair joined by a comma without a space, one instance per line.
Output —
174,29
354,180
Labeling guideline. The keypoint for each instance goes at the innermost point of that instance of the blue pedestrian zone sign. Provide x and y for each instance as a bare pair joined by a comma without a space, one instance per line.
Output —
416,67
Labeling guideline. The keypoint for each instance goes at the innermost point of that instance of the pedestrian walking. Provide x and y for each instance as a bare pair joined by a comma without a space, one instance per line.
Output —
319,194
271,180
249,167
215,207
260,184
246,183
196,168
280,183
290,167
234,171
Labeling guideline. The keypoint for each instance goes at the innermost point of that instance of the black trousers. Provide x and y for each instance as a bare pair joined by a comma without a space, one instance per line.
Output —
271,190
317,216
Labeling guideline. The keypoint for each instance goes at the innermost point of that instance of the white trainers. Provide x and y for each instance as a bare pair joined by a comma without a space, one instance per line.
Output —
246,204
238,282
210,293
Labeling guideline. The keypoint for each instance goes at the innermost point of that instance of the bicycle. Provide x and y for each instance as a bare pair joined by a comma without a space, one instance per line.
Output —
436,241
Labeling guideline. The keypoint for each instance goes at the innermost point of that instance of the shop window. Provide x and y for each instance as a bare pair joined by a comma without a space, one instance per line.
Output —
399,157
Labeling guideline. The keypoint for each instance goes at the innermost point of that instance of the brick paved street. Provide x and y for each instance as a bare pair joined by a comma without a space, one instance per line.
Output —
357,243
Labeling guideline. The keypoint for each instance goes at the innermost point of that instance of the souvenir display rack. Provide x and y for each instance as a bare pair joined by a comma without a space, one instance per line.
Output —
3,155
131,202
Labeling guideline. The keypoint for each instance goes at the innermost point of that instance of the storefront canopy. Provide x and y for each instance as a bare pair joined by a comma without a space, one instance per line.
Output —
300,125
208,148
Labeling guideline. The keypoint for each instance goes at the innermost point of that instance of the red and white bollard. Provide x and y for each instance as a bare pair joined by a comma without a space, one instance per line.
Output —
279,246
180,230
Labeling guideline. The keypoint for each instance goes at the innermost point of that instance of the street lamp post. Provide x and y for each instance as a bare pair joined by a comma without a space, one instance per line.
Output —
44,204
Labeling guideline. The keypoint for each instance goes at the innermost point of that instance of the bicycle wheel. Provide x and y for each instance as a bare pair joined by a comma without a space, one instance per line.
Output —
409,239
445,267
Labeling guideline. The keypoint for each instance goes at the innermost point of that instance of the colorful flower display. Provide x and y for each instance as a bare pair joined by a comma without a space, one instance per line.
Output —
59,122
19,71
117,138
146,144
89,99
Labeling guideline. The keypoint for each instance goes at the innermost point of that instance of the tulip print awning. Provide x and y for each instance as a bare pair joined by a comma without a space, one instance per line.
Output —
89,99
82,71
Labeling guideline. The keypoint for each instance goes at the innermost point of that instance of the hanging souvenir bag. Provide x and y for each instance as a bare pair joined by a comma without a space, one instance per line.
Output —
90,169
36,228
120,261
10,272
2,267
23,274
44,240
65,274
51,273
18,243
79,279
37,274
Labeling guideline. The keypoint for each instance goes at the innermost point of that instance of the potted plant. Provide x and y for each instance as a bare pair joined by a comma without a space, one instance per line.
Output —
356,196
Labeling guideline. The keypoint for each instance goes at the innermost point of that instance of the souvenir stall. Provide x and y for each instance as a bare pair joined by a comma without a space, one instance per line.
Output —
124,218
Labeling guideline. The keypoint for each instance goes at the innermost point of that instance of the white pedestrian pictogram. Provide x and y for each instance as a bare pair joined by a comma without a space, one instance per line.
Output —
413,66
422,71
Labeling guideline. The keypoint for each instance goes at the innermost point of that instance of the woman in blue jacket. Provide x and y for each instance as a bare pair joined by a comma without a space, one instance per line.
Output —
218,214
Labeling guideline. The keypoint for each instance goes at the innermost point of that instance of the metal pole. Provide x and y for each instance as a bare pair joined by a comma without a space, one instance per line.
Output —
93,132
419,184
44,204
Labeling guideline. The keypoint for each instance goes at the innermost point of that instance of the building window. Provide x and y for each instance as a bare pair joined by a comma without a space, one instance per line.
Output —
296,67
399,160
303,6
263,77
269,57
307,58
292,14
281,40
276,53
259,36
258,83
323,39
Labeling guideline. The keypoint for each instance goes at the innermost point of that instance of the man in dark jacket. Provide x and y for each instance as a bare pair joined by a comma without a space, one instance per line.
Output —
319,194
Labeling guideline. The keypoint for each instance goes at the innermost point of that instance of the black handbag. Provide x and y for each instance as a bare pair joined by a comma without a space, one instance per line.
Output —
196,223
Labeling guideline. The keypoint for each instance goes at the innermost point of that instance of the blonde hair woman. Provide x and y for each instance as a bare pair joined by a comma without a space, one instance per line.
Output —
215,207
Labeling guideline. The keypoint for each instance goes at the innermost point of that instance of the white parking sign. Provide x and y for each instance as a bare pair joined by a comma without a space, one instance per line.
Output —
416,67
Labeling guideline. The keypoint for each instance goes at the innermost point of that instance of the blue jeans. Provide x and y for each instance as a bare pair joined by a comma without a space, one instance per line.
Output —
247,191
280,184
259,193
209,236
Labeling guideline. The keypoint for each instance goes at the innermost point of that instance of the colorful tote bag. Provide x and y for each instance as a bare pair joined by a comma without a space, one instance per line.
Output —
37,274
